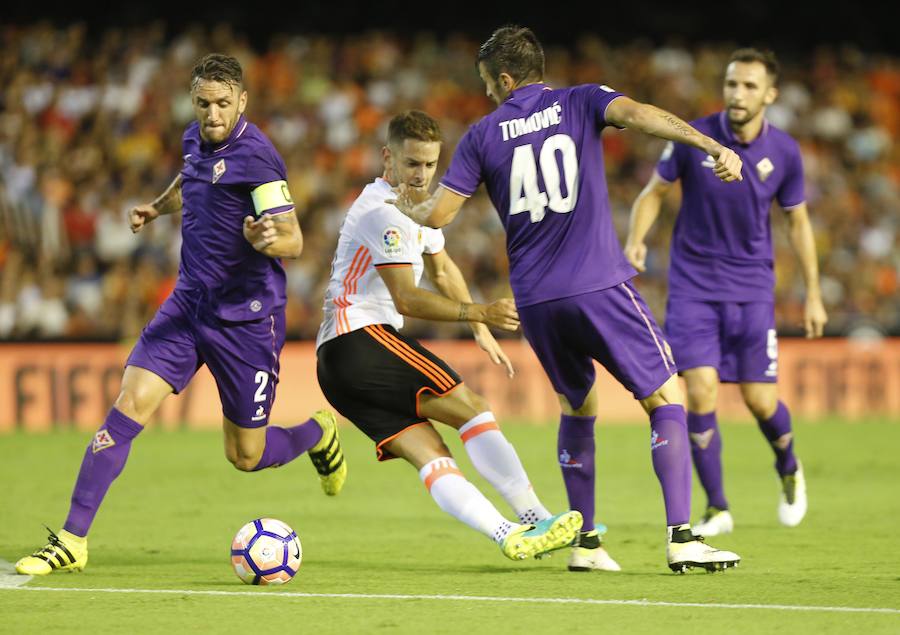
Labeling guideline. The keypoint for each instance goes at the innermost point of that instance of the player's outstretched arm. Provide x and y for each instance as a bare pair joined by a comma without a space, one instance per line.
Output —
448,279
436,210
804,243
168,202
412,301
644,213
627,113
275,235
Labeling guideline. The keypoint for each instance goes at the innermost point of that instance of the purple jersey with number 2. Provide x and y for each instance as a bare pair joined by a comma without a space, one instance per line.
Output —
540,157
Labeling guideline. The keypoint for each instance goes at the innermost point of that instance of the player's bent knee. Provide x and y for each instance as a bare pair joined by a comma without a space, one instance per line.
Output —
669,393
762,408
245,462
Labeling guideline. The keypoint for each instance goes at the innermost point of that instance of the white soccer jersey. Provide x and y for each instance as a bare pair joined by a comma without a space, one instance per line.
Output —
373,235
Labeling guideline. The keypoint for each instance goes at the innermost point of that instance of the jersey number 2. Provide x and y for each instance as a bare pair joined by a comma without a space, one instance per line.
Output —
524,194
262,378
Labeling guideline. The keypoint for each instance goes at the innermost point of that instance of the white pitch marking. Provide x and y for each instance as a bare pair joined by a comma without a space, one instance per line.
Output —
477,598
9,579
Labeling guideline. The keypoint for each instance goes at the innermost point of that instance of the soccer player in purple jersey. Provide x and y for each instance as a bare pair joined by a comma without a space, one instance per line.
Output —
720,318
227,311
540,157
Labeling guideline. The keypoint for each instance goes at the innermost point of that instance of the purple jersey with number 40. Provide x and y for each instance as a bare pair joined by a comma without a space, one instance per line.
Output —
541,160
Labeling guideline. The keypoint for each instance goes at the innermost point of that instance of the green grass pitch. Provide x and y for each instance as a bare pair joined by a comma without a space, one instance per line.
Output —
168,521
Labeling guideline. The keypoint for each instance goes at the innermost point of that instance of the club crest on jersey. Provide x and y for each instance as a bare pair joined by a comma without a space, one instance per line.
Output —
391,241
218,170
102,440
256,306
764,168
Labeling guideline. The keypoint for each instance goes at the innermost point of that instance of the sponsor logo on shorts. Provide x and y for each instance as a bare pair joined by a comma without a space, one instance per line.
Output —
102,440
218,170
656,441
256,306
392,239
566,460
702,439
708,162
764,168
260,414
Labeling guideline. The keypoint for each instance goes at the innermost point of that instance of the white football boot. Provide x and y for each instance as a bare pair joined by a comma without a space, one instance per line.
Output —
792,507
715,522
686,551
588,554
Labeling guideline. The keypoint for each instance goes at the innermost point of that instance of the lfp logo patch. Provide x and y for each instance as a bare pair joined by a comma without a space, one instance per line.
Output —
392,241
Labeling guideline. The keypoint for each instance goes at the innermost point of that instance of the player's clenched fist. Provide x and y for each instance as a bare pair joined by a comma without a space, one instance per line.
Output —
637,255
728,165
259,232
502,314
140,216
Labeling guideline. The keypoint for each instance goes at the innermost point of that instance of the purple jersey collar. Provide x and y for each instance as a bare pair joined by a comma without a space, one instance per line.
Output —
728,133
528,89
236,132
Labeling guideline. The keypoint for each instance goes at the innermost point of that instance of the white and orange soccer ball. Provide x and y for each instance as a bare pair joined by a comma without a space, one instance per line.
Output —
266,551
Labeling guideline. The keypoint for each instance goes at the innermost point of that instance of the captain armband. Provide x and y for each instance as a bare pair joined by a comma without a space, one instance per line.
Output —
272,196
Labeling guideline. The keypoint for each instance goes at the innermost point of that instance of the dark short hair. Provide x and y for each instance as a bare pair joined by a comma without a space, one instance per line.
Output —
217,67
413,124
763,56
513,50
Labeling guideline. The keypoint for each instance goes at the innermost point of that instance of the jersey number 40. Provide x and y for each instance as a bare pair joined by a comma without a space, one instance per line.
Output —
524,193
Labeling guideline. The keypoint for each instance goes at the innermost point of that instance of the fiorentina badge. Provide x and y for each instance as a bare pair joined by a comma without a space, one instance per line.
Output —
218,170
764,168
102,440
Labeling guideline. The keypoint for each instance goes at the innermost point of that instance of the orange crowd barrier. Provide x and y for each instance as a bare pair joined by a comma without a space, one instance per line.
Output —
43,386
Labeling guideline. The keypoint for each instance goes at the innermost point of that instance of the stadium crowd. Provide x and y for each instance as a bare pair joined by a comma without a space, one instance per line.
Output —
91,124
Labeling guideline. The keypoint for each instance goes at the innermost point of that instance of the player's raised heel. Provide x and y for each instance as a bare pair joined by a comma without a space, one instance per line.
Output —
686,551
550,534
63,552
792,506
715,522
327,456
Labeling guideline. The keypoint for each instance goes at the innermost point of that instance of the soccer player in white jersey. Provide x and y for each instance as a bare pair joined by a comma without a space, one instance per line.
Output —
389,385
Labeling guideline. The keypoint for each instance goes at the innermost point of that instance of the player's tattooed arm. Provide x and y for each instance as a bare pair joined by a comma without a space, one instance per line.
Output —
647,118
168,202
275,235
436,210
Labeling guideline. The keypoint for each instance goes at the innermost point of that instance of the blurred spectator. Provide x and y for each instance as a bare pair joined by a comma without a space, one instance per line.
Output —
89,126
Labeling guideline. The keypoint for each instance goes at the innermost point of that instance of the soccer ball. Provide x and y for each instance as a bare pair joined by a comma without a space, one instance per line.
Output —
266,551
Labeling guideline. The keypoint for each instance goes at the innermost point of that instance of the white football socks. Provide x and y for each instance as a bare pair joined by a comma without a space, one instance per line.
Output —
462,500
496,460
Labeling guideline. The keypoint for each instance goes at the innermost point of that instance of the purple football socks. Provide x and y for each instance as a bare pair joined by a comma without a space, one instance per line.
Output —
102,463
669,450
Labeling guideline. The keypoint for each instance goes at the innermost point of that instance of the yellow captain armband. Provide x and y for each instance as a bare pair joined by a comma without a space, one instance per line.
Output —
271,195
